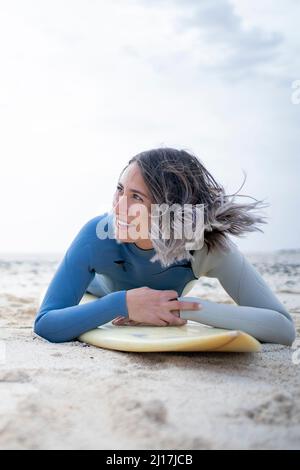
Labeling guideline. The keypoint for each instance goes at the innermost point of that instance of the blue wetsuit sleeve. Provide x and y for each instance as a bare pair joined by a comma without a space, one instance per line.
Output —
59,317
258,313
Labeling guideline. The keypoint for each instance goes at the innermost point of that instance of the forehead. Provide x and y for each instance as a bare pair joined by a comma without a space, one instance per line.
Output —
132,176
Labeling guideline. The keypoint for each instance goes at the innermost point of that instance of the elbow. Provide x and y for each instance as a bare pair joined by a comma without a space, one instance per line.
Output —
43,333
41,329
287,332
291,334
279,330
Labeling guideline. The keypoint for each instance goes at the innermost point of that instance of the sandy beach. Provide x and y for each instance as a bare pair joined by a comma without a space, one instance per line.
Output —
74,396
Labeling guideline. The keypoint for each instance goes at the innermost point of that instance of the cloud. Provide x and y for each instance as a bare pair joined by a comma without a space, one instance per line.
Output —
221,43
221,26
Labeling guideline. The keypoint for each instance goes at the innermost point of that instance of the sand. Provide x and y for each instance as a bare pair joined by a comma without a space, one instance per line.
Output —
74,396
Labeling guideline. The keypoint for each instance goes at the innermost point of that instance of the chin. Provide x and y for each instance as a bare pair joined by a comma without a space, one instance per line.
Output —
124,240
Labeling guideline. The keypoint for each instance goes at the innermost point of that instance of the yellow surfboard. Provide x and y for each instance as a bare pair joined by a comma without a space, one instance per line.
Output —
192,336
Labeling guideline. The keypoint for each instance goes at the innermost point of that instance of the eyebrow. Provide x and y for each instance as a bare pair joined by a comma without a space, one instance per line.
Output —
134,190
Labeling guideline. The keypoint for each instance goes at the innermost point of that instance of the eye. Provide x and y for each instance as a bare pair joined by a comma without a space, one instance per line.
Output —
139,198
119,188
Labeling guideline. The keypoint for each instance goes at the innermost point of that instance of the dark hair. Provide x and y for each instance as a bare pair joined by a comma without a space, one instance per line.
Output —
177,176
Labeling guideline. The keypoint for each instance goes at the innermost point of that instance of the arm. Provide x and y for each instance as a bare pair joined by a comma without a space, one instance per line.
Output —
60,318
259,313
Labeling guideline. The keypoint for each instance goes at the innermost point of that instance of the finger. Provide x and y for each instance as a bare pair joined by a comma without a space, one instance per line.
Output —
181,305
176,313
119,320
177,321
126,322
162,322
119,317
172,319
190,305
170,294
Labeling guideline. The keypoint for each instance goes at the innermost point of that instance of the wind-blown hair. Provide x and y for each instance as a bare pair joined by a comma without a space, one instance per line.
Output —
177,176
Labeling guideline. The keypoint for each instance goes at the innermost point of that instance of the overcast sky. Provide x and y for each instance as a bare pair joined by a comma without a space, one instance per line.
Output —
85,85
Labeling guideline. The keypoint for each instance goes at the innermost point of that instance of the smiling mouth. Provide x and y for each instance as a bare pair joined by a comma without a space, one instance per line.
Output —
120,223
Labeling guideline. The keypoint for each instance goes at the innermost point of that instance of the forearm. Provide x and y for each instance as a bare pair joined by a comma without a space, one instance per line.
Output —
66,324
265,325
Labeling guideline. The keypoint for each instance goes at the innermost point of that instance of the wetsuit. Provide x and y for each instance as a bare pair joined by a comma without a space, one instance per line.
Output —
107,269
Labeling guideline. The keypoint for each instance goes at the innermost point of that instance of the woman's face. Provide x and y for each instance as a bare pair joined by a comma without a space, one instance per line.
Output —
132,205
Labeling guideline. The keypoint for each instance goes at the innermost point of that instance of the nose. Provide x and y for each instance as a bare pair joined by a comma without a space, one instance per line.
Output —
120,206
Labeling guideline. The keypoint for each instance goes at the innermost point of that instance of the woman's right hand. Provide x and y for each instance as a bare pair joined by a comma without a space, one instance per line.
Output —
155,307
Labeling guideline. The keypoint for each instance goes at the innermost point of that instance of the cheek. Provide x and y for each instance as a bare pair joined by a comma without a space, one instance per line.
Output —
143,215
115,199
146,221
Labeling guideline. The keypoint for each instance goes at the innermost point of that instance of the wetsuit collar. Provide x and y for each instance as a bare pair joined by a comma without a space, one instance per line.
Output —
139,251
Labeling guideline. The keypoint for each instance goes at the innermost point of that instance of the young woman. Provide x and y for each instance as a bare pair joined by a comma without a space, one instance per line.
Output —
142,279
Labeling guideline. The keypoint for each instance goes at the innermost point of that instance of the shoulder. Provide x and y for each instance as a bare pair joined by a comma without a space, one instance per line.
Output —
91,229
95,230
206,261
95,240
